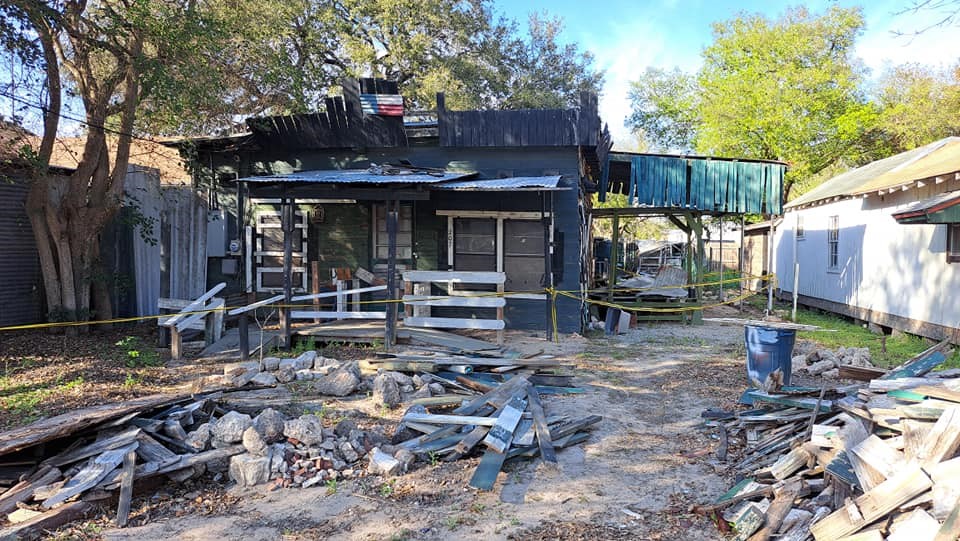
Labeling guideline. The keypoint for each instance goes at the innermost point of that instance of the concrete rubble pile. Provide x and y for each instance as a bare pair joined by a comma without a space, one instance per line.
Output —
827,363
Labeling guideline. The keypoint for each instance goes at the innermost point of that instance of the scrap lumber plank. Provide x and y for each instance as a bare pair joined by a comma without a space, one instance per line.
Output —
469,442
497,395
126,487
860,373
917,525
501,433
950,530
879,456
24,490
873,504
443,400
487,471
121,439
946,487
49,520
921,363
540,426
150,450
825,406
90,475
782,503
868,535
441,338
938,391
748,522
144,471
790,463
943,439
68,423
914,434
439,419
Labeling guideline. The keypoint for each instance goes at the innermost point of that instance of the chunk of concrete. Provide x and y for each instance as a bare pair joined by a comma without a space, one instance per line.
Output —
307,429
271,363
340,382
249,470
386,391
254,443
264,378
199,438
406,458
348,452
305,360
286,375
383,464
269,424
230,427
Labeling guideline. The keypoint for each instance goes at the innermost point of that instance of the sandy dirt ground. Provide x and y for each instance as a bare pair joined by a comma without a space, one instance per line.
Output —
636,477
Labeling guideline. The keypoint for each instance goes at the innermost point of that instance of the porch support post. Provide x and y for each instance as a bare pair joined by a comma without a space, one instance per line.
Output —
392,211
244,335
771,265
614,256
743,253
547,263
286,223
721,269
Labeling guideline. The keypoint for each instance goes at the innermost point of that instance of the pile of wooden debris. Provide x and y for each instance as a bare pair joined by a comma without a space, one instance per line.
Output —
94,456
869,462
509,420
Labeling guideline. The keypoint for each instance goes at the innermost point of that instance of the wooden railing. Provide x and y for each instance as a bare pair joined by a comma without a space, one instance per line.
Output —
205,313
418,301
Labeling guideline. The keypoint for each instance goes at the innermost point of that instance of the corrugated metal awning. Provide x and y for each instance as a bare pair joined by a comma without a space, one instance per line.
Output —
516,184
359,176
940,209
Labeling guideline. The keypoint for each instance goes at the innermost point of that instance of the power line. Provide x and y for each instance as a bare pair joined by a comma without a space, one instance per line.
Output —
83,122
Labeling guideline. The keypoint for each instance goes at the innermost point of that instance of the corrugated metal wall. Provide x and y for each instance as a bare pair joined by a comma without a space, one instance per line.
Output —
21,297
183,242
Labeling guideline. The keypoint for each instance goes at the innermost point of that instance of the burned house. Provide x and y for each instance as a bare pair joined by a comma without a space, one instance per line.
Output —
354,193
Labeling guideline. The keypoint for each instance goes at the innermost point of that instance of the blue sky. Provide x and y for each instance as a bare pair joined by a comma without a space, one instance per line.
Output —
628,36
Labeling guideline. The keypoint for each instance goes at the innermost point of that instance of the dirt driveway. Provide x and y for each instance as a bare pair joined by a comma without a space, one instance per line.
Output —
647,457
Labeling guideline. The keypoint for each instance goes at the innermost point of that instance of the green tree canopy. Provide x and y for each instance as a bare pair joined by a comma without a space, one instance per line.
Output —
787,89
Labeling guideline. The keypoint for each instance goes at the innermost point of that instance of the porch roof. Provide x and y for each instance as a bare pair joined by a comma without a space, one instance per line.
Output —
517,184
940,209
359,176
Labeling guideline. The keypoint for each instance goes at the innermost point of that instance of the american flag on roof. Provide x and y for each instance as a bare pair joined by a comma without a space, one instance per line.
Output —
382,104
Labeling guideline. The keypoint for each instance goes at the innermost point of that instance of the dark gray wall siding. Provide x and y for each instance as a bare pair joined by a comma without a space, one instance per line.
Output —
430,233
21,297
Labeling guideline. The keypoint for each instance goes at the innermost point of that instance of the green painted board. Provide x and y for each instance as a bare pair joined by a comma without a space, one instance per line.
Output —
909,396
917,368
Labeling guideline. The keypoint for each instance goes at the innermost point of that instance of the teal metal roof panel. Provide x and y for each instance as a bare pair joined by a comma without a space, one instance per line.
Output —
703,184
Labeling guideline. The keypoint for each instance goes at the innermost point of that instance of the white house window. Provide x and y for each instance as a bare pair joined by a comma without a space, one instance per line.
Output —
953,243
799,227
833,243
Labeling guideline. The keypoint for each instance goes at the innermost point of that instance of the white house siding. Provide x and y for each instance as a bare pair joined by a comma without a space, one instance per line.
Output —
884,267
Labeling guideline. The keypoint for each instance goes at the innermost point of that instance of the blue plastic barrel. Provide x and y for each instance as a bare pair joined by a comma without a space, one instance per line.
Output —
768,350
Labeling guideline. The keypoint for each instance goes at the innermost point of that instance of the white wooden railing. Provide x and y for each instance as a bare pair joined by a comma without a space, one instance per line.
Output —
205,313
418,302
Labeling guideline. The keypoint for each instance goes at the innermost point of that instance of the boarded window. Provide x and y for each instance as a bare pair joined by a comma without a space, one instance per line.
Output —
953,243
404,233
523,255
833,243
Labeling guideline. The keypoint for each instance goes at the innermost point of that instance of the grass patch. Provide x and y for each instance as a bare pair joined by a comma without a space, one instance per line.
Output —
846,333
23,400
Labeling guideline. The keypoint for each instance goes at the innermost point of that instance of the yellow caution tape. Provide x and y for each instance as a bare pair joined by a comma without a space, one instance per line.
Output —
582,296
